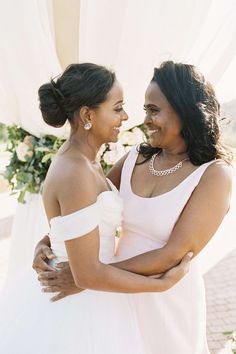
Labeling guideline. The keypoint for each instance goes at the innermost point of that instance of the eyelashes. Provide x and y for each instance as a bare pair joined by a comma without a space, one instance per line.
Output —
120,109
151,110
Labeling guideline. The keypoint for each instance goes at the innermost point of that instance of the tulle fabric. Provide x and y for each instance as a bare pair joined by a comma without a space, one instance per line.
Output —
90,322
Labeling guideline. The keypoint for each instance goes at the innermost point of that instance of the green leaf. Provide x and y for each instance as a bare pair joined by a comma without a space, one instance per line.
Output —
46,157
21,198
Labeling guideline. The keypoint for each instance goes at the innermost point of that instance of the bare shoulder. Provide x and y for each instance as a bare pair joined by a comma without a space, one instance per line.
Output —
75,184
218,173
215,186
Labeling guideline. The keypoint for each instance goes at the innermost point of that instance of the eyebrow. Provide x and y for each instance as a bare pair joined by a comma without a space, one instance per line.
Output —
150,106
118,102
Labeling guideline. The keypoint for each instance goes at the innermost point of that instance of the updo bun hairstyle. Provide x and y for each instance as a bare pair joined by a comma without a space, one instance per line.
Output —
79,85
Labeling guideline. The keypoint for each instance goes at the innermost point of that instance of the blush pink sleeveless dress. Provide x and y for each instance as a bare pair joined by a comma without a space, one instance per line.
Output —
171,322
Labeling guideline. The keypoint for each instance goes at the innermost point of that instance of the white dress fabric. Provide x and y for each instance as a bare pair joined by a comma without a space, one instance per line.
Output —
91,322
172,321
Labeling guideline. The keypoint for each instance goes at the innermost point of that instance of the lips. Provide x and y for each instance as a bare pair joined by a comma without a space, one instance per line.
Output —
117,129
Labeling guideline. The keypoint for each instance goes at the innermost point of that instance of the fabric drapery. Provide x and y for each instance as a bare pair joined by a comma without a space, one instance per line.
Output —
134,36
27,60
129,36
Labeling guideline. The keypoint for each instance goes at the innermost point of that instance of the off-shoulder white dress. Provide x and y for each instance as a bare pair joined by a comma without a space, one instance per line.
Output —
91,322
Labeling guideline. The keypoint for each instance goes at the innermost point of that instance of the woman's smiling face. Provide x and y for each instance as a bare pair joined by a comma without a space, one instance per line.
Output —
163,123
109,116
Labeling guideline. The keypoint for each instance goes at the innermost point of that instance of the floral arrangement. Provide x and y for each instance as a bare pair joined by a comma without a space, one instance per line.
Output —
31,157
30,160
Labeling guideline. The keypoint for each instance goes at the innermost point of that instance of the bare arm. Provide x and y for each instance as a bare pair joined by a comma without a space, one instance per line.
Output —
198,222
83,252
114,174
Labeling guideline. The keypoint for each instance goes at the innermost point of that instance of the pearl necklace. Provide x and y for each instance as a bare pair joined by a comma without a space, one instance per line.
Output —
163,172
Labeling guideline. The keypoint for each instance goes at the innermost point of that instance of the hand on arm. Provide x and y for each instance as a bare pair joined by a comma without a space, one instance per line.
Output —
87,270
198,222
42,254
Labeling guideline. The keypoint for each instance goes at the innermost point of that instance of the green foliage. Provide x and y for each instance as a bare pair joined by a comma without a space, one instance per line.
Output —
3,133
231,336
30,160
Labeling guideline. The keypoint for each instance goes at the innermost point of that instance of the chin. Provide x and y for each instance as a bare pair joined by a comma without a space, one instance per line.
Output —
113,139
154,143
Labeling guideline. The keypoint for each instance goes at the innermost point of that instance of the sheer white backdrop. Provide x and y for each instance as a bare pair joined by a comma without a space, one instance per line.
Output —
134,36
131,36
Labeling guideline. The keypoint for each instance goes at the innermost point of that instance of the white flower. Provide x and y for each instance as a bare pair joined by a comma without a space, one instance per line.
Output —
28,141
128,148
139,135
23,150
117,151
128,138
110,157
133,137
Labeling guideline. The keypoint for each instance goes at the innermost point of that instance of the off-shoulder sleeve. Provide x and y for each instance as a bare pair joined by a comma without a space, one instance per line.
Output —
76,224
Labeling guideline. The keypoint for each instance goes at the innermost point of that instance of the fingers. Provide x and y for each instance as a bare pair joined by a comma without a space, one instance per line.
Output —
51,289
185,263
47,275
59,296
188,256
38,270
62,265
49,254
50,282
42,267
186,259
49,279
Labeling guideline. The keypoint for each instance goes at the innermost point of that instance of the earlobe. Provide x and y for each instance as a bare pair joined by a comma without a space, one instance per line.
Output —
85,118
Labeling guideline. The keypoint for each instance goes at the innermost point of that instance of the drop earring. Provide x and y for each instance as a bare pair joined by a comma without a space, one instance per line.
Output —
88,126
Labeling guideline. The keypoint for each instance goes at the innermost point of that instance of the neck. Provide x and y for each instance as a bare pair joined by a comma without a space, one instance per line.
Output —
84,142
175,152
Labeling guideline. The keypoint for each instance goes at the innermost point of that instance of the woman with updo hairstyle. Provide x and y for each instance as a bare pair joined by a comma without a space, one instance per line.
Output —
80,85
84,210
176,190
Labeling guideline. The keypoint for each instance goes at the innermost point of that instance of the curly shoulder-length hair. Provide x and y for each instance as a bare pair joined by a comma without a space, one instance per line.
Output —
194,100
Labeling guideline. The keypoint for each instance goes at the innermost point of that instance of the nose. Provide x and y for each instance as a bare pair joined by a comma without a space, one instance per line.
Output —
124,116
148,119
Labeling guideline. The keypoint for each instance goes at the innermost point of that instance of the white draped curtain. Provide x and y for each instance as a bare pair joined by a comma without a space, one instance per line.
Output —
40,37
133,36
28,59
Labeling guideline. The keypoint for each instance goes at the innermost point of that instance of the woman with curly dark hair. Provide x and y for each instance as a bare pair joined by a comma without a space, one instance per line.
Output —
176,190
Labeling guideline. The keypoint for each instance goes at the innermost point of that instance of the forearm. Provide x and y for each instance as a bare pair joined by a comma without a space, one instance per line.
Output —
109,278
152,262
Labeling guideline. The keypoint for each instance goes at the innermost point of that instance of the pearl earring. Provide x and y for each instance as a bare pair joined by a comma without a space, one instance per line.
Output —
88,126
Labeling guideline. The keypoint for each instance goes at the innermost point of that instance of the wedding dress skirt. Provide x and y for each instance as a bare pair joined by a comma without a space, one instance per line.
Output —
91,322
